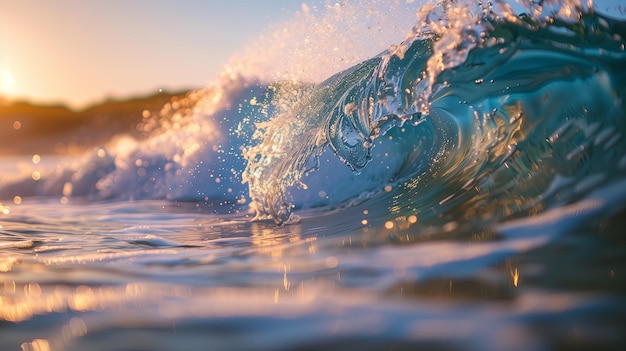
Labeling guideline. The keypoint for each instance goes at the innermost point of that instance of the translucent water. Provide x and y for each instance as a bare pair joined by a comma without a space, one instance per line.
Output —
464,189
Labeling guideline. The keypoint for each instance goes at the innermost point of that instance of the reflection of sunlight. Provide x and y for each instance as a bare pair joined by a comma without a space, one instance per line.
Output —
37,345
515,277
514,273
7,263
271,241
84,299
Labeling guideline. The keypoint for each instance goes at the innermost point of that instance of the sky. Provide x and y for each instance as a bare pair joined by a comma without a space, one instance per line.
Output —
82,51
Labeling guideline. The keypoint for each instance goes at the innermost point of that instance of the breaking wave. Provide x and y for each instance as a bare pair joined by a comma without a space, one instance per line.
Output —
480,112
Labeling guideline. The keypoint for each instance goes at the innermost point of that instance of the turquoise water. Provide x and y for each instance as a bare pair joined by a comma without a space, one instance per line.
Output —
462,190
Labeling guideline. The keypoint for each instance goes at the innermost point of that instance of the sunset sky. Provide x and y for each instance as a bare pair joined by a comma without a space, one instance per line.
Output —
78,52
82,51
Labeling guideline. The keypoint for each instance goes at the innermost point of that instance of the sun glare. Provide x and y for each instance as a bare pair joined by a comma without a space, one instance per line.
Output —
6,82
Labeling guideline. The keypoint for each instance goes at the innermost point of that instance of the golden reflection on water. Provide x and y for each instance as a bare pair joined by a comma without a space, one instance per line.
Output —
83,300
6,263
36,345
20,302
513,273
75,328
266,238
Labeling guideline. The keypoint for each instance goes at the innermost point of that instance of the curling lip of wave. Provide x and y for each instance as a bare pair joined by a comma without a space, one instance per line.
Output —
483,103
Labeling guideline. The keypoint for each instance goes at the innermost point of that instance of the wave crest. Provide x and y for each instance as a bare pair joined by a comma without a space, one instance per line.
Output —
484,91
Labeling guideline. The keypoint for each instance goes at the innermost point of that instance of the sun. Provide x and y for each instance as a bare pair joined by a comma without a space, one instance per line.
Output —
6,82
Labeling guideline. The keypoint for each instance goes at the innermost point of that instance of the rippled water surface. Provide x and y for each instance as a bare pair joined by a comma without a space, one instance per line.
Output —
160,276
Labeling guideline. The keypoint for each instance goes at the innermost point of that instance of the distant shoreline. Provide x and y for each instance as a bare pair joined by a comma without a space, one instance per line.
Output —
31,128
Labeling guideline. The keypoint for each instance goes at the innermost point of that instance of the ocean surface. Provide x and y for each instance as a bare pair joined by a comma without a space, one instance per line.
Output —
371,176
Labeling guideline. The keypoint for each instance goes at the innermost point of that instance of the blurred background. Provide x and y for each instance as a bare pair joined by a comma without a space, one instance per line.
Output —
70,67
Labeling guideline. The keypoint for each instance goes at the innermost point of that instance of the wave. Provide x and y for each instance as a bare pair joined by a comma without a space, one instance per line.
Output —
480,113
477,113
